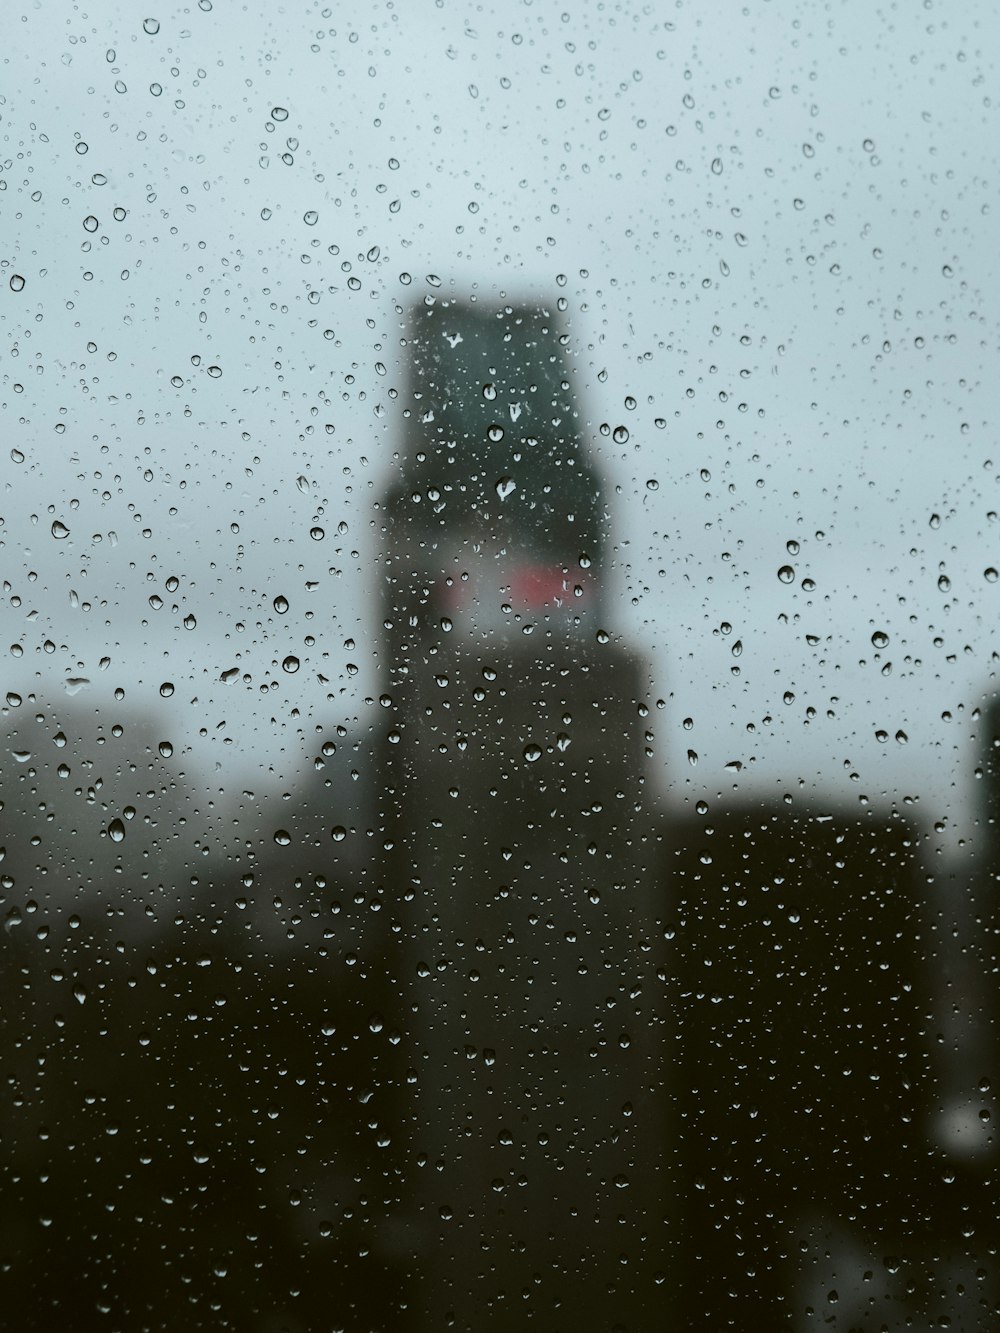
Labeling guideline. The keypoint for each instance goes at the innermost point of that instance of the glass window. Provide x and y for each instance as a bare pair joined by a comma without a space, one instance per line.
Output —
499,779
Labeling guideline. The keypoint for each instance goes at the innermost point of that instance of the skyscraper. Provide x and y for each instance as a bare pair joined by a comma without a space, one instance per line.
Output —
512,812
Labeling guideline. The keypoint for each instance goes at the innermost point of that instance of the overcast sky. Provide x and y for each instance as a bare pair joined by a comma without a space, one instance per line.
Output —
774,230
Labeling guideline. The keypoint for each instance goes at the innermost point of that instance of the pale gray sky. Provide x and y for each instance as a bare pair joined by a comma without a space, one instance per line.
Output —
773,227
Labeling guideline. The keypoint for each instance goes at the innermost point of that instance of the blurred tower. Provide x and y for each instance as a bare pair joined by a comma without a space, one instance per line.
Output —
512,812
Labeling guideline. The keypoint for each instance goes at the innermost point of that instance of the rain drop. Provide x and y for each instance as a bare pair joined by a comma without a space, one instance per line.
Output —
116,831
59,530
786,574
151,26
505,486
290,664
532,752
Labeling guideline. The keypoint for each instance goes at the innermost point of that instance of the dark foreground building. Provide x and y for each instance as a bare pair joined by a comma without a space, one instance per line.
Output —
530,1126
810,1192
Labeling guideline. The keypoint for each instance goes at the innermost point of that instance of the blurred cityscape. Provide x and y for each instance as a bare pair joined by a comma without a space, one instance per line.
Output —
476,1034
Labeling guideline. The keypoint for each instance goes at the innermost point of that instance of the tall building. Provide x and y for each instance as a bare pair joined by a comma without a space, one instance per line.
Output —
529,1130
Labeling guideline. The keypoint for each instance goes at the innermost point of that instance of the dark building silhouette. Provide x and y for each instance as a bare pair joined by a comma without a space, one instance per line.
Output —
512,805
808,1190
188,1058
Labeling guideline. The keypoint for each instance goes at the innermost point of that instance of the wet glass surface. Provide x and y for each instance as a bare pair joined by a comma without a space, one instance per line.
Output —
500,740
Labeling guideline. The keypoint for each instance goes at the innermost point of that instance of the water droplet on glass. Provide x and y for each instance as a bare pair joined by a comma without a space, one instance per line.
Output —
505,486
90,223
166,749
786,574
880,639
692,757
59,530
317,534
279,113
652,484
990,574
303,484
290,664
116,830
310,217
944,583
620,435
16,282
282,838
281,604
151,26
166,689
338,833
532,752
